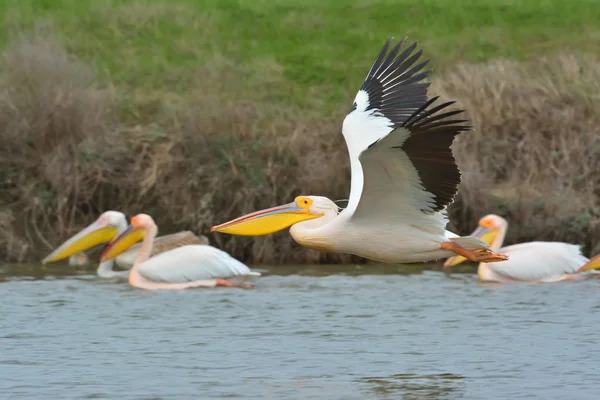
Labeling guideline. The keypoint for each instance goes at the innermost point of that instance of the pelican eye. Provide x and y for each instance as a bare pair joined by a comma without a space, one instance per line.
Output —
303,202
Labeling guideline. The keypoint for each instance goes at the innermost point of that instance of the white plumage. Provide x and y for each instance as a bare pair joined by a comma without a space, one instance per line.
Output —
193,263
391,93
392,190
535,262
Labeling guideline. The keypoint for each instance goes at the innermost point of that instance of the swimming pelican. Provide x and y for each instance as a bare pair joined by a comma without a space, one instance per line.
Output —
180,268
403,176
108,226
533,262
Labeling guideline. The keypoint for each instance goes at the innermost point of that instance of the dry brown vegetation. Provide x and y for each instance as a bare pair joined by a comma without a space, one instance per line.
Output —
534,157
66,156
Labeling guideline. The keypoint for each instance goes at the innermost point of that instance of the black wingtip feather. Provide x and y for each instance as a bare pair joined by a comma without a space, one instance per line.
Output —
419,111
427,116
428,148
393,73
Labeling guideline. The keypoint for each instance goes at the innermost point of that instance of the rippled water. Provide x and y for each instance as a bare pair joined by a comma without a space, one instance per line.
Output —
318,332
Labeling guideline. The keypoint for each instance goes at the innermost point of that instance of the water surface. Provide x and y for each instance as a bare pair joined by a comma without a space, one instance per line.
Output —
315,332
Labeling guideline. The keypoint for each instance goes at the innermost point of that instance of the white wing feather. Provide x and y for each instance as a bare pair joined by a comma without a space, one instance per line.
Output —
535,261
410,175
192,263
360,130
391,92
392,188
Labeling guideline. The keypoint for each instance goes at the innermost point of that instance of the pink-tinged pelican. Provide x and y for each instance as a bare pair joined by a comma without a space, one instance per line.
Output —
532,262
181,268
403,176
107,227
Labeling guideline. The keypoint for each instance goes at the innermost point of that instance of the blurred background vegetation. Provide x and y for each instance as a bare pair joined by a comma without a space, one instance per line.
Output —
198,111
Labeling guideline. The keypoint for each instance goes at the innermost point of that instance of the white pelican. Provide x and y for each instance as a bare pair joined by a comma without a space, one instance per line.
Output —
180,268
532,262
107,227
403,176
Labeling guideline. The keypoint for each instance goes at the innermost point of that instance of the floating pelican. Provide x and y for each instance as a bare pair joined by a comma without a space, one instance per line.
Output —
108,226
180,268
403,176
532,262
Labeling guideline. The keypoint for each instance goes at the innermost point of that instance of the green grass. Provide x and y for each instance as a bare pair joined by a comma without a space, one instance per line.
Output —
311,53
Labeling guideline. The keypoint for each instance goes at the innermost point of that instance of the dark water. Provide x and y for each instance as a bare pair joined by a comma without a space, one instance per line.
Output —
303,333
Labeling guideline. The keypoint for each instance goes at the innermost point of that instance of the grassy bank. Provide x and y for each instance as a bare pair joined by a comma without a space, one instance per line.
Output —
197,112
309,53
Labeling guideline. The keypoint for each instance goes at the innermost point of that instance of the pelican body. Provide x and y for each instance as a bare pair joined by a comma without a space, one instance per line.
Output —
181,268
403,176
161,244
107,227
532,262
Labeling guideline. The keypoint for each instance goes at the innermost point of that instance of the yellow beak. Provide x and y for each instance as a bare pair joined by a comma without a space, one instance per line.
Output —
128,238
97,233
486,234
266,221
594,263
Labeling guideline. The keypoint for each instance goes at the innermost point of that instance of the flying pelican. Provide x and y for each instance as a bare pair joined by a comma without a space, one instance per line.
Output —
108,226
533,262
180,268
403,176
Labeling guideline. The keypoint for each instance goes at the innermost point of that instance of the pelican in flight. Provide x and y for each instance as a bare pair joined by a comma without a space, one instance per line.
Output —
533,262
181,268
107,227
403,176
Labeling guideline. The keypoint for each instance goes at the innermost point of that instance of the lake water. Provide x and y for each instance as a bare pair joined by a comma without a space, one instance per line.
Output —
317,332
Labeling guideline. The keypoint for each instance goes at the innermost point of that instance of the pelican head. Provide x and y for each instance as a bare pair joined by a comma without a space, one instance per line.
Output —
140,225
490,228
264,222
103,230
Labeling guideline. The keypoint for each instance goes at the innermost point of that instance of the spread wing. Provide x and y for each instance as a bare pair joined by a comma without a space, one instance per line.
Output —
534,261
192,263
412,172
392,91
